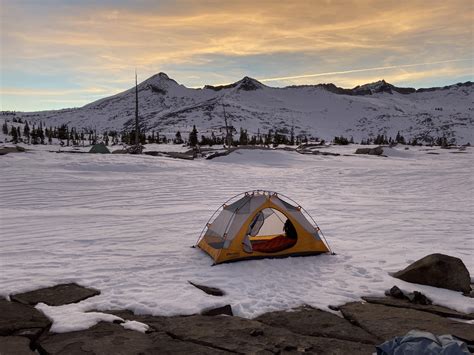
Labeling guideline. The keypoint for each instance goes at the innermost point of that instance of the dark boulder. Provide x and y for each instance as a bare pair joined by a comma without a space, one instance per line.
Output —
438,270
56,296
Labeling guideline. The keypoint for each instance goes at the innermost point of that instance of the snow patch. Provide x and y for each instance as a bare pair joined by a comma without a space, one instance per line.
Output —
136,326
73,317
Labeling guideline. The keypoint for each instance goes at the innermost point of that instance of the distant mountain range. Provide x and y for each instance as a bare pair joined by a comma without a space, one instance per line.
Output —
322,110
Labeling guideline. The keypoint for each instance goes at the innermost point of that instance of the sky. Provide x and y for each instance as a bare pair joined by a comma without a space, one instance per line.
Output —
58,54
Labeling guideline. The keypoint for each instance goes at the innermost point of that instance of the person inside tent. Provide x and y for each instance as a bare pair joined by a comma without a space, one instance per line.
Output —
289,229
280,242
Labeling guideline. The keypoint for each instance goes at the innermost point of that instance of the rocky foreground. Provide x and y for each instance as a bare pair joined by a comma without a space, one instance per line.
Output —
24,329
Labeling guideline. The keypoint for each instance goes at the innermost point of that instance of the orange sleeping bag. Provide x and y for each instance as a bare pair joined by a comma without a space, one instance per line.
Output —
274,245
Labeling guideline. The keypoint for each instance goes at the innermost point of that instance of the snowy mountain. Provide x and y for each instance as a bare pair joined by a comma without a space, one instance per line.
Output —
322,110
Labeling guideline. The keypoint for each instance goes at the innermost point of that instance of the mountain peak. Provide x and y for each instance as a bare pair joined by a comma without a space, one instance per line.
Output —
248,84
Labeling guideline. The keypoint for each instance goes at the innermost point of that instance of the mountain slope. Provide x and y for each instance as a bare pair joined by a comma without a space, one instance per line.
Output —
323,110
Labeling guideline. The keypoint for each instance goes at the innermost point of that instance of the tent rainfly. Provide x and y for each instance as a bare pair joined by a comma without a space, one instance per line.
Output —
99,148
260,224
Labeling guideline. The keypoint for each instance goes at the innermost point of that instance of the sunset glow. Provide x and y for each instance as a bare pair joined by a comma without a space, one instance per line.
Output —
57,54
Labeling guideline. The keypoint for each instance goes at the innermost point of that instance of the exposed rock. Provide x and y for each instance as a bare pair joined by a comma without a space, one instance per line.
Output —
16,316
388,322
414,297
396,293
108,338
403,303
218,154
418,298
15,346
213,291
241,335
376,151
226,310
16,149
362,151
370,151
438,270
57,295
314,322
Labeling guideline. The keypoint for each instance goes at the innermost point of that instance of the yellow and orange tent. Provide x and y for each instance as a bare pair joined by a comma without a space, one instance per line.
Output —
260,224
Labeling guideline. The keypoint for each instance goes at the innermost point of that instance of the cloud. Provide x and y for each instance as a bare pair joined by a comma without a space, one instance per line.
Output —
101,44
352,71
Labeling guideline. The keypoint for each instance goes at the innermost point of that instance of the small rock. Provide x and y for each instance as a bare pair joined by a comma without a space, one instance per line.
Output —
438,270
213,291
226,310
395,292
56,296
415,297
419,298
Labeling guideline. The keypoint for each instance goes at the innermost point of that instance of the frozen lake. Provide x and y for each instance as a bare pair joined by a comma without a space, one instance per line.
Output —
125,224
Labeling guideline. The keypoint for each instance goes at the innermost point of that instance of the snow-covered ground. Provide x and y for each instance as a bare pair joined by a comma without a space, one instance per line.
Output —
125,225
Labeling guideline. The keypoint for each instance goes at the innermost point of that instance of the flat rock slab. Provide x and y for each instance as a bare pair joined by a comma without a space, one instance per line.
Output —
314,322
438,310
109,338
388,322
15,316
15,346
56,296
244,336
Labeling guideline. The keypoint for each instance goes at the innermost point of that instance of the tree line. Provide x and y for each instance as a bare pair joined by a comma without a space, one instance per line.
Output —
40,134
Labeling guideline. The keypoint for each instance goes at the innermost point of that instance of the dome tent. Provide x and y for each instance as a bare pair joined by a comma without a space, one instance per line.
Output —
260,224
100,148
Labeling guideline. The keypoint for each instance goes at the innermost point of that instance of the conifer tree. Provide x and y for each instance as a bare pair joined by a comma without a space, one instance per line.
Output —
193,137
5,128
178,139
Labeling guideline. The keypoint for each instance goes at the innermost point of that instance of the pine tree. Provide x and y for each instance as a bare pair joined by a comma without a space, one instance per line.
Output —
178,139
243,139
193,137
5,128
14,135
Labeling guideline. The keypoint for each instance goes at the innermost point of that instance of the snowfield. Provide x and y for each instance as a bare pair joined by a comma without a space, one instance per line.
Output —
125,225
